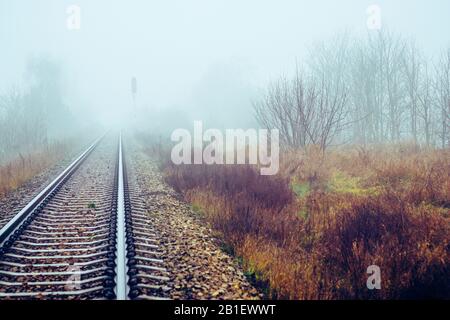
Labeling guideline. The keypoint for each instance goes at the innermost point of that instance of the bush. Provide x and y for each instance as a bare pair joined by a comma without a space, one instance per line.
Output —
382,206
21,169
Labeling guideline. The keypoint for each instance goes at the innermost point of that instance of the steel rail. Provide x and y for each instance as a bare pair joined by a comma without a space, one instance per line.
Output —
122,266
145,275
41,199
121,280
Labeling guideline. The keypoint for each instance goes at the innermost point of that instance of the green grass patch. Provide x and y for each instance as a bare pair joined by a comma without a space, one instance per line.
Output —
343,183
300,189
257,278
197,209
303,213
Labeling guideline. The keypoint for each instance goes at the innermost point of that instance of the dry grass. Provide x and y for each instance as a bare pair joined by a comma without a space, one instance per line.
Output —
311,232
24,167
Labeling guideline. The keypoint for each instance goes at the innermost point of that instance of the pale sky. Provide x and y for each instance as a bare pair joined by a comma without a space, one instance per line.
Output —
180,50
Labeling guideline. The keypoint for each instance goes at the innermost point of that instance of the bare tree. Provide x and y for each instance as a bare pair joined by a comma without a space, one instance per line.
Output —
412,69
30,114
306,110
20,128
328,113
381,87
425,104
286,107
441,90
391,50
365,93
10,105
275,111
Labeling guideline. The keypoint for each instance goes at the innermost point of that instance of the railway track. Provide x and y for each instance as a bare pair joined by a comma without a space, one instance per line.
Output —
85,236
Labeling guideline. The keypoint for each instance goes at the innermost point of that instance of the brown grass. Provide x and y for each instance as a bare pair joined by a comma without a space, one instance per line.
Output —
24,167
312,231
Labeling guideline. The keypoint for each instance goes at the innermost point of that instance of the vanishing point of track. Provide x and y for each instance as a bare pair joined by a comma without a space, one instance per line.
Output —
84,236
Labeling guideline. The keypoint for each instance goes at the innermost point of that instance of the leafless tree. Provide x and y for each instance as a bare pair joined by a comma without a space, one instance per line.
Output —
381,87
31,113
376,95
425,104
306,110
441,88
365,93
285,106
390,49
412,69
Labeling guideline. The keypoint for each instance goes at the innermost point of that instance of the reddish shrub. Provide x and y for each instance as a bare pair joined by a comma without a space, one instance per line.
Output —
318,246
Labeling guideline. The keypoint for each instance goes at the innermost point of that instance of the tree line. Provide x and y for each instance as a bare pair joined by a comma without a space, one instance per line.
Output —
374,89
33,114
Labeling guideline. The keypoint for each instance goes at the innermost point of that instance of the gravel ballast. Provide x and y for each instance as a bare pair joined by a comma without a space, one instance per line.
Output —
198,268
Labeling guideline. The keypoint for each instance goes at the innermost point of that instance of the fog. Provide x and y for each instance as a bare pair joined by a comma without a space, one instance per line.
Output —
193,59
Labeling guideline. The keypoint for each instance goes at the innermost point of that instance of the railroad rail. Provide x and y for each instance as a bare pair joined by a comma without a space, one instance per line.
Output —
148,277
84,236
60,245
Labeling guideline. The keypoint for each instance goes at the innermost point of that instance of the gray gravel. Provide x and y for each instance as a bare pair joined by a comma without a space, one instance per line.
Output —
198,268
13,202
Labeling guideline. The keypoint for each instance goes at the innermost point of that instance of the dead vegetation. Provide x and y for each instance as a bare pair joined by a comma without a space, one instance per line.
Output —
312,231
25,166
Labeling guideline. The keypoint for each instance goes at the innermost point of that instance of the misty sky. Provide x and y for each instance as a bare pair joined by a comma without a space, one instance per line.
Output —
186,53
